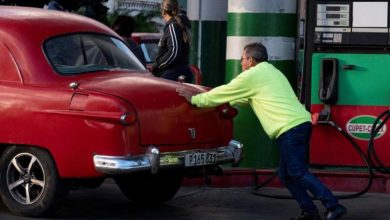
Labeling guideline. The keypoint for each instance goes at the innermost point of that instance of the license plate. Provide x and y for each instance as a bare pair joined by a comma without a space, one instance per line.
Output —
200,159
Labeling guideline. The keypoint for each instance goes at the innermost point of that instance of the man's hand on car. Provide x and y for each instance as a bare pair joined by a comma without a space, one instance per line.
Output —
186,93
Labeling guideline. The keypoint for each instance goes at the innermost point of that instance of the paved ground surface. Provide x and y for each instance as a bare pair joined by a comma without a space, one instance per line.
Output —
195,203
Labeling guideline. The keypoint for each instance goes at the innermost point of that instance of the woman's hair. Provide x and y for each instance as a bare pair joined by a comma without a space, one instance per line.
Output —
257,51
171,7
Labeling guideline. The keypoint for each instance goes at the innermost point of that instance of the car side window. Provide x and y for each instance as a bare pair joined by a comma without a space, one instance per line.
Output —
8,68
81,53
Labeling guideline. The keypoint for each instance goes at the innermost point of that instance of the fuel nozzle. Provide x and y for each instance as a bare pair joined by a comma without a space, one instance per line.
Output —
324,115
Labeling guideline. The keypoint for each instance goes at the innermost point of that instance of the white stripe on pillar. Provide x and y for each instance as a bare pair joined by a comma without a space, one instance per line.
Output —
262,6
279,48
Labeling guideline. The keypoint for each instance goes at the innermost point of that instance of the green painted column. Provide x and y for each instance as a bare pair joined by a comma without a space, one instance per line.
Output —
272,23
208,45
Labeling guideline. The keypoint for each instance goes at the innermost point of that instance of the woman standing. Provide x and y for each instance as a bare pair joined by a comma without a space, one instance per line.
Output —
174,47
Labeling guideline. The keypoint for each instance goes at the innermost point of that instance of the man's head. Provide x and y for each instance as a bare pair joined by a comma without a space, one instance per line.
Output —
253,54
123,25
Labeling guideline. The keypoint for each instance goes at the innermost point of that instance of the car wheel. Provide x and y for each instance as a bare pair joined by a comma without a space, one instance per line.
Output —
29,182
146,188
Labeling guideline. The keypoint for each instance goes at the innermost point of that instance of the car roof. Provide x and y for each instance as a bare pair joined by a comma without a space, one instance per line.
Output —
23,30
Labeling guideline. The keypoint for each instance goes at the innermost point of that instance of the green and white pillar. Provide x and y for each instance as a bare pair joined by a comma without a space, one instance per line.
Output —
208,45
272,23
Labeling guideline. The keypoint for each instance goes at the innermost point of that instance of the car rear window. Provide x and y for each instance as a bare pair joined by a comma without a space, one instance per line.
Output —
81,53
149,48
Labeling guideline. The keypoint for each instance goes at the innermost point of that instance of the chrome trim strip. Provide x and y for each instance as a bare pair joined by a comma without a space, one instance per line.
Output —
153,160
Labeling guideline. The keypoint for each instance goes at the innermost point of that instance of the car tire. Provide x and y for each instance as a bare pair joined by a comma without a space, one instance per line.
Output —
147,188
29,181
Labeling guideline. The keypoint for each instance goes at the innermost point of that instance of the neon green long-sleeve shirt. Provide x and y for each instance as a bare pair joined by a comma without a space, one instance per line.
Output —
269,94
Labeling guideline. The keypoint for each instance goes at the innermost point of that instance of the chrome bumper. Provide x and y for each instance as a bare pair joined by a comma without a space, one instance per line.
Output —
153,160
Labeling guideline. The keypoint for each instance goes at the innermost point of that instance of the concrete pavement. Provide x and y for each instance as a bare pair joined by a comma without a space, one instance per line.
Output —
195,203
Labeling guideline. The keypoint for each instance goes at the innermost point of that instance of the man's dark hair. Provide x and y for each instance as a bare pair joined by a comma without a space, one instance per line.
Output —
257,51
123,25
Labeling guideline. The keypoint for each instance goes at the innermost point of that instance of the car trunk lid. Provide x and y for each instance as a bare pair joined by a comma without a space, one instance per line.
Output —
165,118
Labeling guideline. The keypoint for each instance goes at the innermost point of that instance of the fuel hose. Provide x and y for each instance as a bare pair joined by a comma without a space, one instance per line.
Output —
373,157
256,189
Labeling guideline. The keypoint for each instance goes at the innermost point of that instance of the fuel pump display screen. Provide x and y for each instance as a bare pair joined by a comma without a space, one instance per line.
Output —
332,15
352,23
370,15
370,23
333,22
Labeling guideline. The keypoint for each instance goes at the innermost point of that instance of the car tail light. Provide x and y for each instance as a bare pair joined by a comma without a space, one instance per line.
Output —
227,111
128,118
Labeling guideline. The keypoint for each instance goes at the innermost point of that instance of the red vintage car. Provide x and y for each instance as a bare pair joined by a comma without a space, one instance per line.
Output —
76,107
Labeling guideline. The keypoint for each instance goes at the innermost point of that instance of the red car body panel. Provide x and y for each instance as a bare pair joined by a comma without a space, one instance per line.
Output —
38,108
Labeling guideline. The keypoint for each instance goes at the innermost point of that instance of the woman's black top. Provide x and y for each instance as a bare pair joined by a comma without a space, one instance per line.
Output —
173,53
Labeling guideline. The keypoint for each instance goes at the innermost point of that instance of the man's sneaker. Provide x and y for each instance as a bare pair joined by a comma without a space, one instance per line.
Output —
307,216
337,213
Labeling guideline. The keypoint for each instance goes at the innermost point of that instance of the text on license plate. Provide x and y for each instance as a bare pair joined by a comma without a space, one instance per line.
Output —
200,159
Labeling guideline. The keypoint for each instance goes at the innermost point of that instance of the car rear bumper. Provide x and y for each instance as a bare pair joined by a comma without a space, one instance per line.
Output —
153,160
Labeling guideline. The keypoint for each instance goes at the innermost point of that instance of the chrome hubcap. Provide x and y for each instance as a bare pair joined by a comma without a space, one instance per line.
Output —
25,178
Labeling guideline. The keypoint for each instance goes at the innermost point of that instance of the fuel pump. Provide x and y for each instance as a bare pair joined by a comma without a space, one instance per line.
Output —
347,77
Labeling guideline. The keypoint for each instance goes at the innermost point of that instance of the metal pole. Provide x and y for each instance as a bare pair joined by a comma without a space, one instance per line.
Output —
199,63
